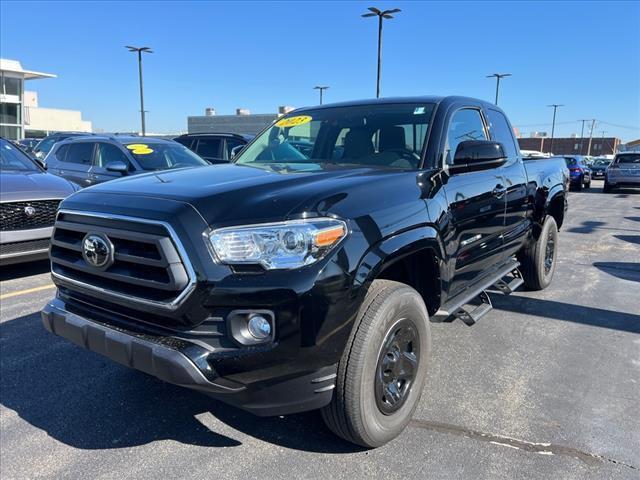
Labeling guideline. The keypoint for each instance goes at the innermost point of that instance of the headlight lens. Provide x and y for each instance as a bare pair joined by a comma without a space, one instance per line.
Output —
283,245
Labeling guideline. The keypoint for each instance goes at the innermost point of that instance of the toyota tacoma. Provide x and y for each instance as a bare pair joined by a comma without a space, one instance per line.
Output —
301,279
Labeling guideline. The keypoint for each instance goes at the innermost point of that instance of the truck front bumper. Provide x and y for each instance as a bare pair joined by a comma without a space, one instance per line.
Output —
184,363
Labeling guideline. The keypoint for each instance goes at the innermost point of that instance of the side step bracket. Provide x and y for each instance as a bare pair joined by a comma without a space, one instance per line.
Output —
471,317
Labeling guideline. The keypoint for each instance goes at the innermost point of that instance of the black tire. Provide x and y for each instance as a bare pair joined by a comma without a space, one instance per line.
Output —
607,187
578,185
536,272
390,310
588,184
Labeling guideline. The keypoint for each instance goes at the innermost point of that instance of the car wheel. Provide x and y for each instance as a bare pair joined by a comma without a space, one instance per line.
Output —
382,371
538,260
588,183
607,187
578,185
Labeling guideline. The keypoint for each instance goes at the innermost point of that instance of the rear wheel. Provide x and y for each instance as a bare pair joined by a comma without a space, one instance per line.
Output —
578,185
382,371
588,183
538,260
607,187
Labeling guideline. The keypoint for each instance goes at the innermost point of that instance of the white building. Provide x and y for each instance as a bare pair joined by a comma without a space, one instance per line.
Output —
20,115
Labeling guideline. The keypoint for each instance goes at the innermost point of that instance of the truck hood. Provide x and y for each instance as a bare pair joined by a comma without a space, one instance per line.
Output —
18,186
234,194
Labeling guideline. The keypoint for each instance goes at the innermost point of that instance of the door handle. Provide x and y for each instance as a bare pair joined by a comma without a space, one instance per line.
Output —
499,190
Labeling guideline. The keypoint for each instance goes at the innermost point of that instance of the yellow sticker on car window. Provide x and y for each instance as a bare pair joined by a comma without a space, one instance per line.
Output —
293,121
140,148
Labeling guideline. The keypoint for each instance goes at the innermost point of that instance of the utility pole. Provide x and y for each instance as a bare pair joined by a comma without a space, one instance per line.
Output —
140,50
553,124
602,142
582,136
321,88
384,14
593,124
498,77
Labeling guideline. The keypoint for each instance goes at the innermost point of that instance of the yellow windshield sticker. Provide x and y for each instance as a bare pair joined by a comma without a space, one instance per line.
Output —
293,121
140,149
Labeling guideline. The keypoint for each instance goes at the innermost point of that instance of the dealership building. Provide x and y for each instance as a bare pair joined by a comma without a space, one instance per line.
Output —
571,146
20,113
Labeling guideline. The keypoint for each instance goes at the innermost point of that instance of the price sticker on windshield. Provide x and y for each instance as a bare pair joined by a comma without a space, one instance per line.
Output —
140,149
293,121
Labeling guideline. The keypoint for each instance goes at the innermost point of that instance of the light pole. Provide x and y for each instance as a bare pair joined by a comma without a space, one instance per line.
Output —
553,125
139,50
381,14
321,88
593,124
498,77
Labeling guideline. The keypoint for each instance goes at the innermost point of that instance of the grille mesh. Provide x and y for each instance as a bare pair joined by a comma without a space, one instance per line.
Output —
23,247
13,215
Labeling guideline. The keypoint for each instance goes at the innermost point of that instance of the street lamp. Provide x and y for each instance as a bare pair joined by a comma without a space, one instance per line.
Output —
553,125
381,14
139,50
321,88
498,77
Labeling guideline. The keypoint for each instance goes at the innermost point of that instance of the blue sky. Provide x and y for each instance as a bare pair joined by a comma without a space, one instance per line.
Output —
259,55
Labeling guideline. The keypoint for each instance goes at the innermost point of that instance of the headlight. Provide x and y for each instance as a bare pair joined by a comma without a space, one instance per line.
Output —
281,245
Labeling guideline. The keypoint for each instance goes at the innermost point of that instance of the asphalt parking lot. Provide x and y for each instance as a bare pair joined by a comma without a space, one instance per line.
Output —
545,386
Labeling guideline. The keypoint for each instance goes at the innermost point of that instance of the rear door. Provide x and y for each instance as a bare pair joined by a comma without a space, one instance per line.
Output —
515,176
229,144
105,154
76,161
476,204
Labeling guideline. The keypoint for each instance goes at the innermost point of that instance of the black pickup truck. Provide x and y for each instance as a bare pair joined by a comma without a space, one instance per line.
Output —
294,280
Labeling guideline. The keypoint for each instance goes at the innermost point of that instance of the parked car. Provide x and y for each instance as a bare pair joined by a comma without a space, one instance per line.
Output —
624,171
579,172
282,283
213,147
599,167
28,144
534,154
29,198
96,159
43,147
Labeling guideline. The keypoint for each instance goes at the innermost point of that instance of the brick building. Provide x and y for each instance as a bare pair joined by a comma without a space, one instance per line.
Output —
571,146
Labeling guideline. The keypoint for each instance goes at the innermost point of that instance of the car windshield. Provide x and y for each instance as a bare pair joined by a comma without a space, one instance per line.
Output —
163,156
12,158
382,135
571,162
629,158
603,163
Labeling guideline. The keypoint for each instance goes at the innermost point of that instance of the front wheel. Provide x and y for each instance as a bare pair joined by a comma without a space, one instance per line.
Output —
538,260
382,371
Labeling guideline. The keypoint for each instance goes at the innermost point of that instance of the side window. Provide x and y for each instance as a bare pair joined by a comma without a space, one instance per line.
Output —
107,153
61,153
186,141
208,147
80,152
501,132
231,143
466,124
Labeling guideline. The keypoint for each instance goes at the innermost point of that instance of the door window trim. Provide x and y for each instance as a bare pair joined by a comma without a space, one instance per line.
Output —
443,162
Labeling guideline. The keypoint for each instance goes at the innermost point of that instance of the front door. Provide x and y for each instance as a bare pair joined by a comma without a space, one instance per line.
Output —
107,153
476,206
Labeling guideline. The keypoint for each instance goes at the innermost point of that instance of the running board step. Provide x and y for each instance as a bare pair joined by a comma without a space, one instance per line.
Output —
506,286
469,318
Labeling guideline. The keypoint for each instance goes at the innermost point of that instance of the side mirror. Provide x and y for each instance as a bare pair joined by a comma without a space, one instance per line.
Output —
40,162
474,155
118,167
235,151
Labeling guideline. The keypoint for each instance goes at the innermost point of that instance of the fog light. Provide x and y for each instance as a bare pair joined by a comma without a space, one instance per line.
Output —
259,327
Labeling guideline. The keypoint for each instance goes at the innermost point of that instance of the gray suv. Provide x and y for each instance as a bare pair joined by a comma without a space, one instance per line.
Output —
624,171
96,159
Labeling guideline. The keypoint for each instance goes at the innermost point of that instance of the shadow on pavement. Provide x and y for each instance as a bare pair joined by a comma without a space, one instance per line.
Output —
629,238
88,402
624,270
568,312
20,270
590,226
633,219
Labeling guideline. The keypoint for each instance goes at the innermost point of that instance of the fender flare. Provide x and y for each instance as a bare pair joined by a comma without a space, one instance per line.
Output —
393,248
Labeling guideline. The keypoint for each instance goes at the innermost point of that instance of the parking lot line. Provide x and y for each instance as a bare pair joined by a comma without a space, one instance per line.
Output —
26,291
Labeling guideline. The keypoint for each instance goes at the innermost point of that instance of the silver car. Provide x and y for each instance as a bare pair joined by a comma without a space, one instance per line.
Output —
624,171
29,198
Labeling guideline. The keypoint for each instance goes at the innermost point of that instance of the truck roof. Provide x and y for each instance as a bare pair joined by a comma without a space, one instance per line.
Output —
390,100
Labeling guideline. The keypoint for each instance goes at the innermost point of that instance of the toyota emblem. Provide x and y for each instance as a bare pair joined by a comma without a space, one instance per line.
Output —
97,250
29,211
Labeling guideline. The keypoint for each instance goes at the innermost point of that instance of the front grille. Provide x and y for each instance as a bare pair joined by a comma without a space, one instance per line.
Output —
27,215
147,266
23,247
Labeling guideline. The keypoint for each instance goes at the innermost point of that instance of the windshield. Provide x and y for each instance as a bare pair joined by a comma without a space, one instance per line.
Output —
162,156
629,158
12,158
603,163
383,135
